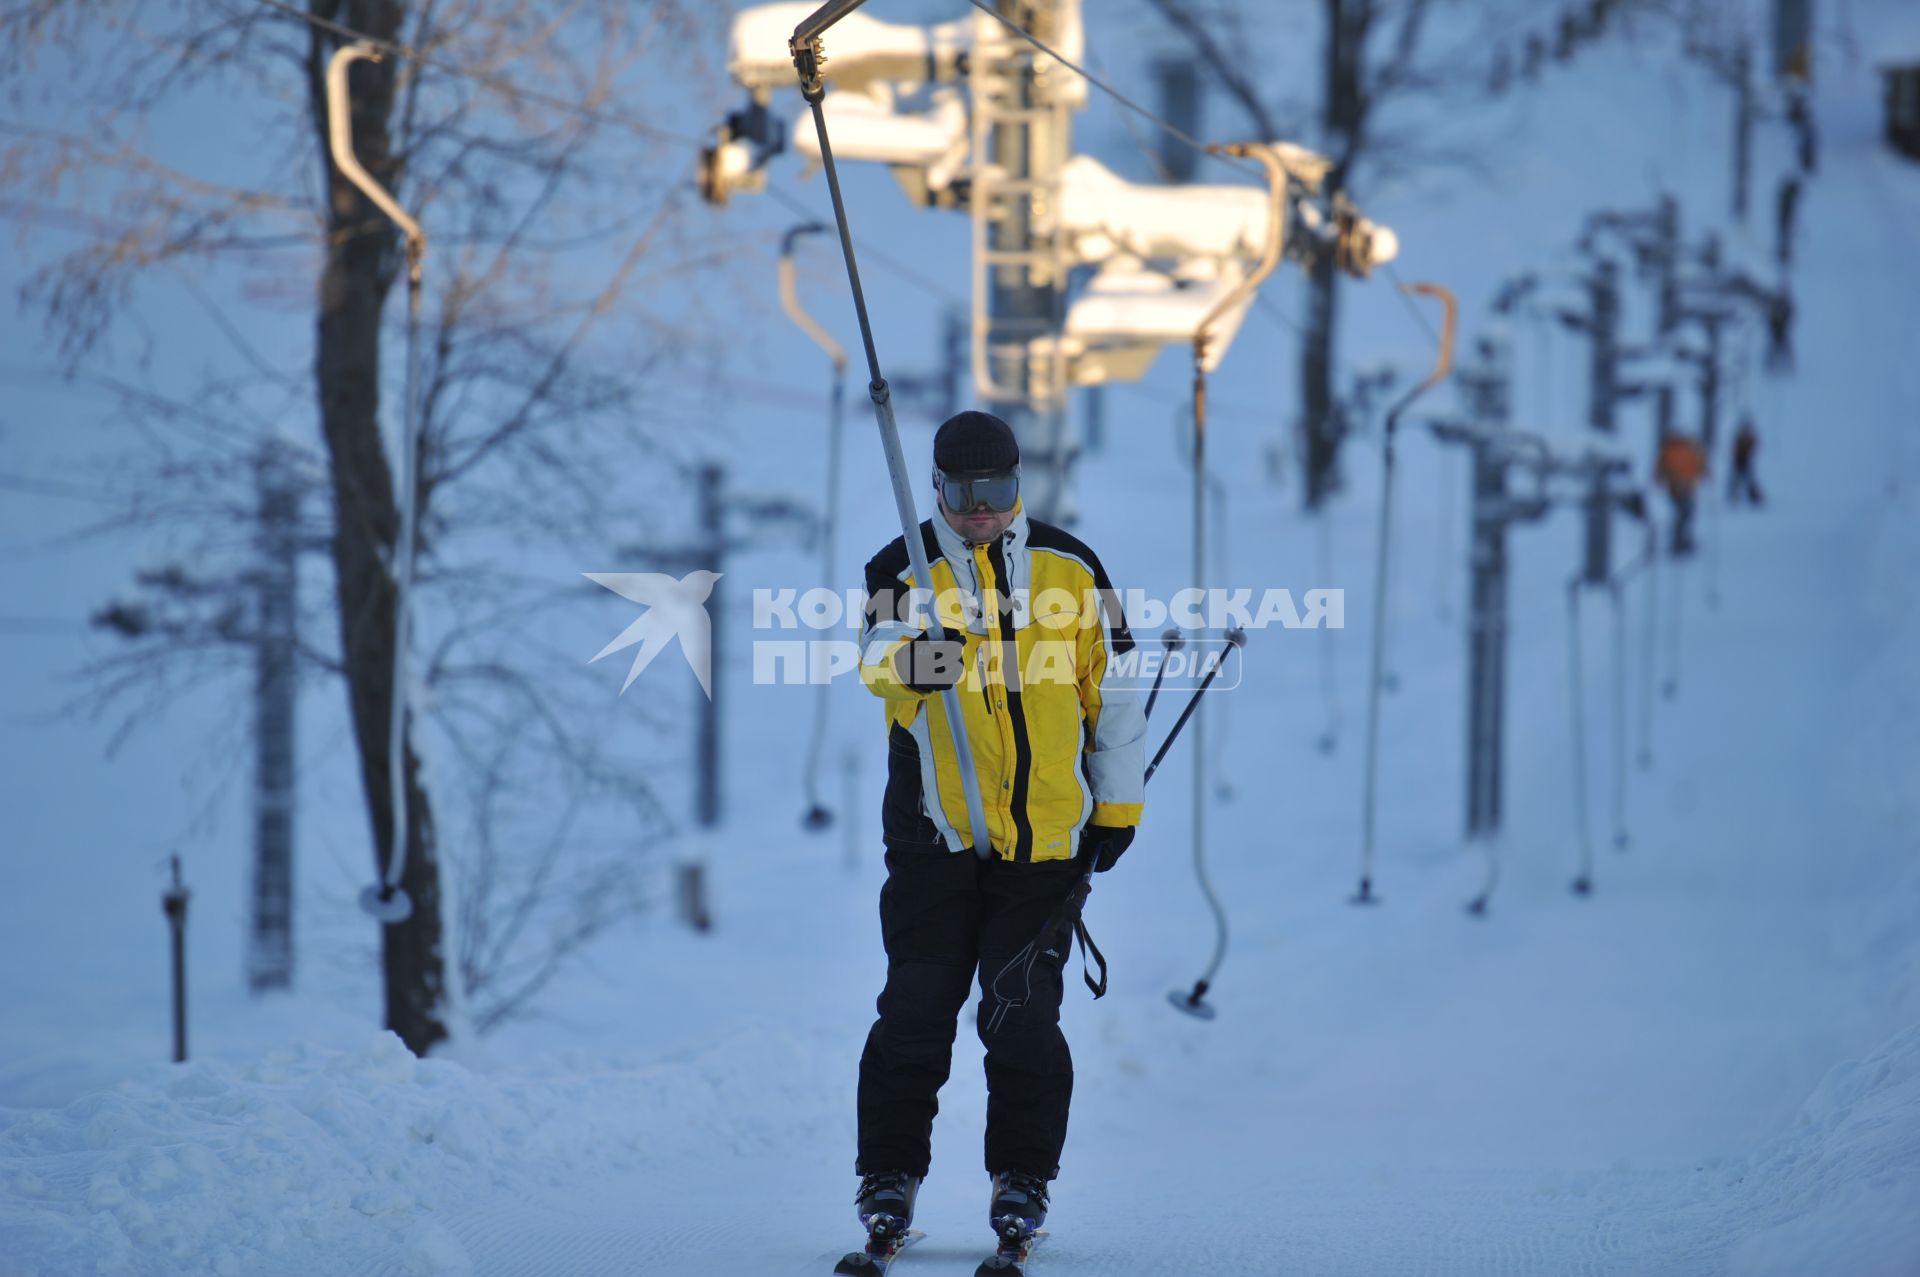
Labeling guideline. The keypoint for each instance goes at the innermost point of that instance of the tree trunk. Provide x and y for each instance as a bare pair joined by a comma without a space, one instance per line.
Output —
1343,117
362,259
1319,421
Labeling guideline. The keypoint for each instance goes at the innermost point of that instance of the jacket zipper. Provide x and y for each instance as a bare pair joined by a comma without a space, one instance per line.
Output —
984,576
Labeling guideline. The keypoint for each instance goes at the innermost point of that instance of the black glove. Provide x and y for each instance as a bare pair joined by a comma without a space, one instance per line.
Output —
929,665
1103,844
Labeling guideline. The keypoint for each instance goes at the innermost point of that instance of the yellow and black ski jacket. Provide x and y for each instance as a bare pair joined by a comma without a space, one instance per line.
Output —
1055,747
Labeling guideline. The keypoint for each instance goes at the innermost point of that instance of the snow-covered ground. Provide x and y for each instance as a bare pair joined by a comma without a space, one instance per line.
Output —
1712,1065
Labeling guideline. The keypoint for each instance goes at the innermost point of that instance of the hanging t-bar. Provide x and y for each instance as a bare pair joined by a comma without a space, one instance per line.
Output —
385,900
1270,258
808,58
340,142
1442,365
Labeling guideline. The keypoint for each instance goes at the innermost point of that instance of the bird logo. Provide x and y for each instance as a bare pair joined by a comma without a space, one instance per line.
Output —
674,608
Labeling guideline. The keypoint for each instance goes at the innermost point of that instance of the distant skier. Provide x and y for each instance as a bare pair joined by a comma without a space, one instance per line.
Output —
1060,756
1780,330
1682,464
1742,481
1806,136
1786,217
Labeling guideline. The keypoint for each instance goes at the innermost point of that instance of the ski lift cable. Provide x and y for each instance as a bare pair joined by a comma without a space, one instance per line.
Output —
867,250
1172,130
1183,405
1266,303
1158,165
1166,126
1272,310
385,900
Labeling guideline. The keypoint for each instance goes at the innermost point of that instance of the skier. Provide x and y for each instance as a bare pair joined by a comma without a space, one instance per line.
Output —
1681,466
1060,755
1786,217
1742,481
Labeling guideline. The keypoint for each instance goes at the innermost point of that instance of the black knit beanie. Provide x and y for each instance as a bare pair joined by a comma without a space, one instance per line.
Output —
970,442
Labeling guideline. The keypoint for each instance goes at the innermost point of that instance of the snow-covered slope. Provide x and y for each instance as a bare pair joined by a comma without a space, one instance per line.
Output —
1711,1066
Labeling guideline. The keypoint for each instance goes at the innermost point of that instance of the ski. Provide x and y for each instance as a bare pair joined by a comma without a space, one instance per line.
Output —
1011,1258
878,1256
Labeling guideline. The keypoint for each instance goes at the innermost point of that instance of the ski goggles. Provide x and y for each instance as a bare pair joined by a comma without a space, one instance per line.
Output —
996,490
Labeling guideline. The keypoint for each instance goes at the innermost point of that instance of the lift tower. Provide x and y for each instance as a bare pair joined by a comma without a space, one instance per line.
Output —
1023,104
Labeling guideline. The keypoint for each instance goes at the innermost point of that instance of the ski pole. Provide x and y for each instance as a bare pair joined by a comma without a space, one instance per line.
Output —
1067,912
1442,366
817,816
1172,640
385,900
1235,638
808,58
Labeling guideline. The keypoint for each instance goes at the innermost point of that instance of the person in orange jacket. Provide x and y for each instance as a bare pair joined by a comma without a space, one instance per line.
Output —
1681,467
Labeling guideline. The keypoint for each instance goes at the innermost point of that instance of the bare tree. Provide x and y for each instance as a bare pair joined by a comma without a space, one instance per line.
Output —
526,420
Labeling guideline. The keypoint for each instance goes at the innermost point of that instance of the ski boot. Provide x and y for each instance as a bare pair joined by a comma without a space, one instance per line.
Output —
1019,1206
885,1207
885,1203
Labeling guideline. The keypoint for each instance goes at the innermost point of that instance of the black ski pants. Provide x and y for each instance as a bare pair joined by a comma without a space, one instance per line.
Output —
943,915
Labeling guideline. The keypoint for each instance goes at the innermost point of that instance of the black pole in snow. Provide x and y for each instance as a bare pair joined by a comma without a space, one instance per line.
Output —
174,905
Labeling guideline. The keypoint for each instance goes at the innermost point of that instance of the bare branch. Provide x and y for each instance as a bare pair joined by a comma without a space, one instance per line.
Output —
558,365
1226,67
